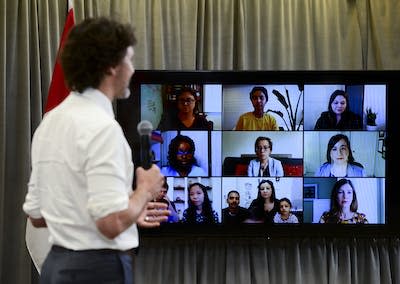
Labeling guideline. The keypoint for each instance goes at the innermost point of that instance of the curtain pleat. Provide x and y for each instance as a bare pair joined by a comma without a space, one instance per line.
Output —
258,260
198,35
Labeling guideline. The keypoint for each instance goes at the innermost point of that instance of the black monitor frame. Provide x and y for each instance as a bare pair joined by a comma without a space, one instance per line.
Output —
128,115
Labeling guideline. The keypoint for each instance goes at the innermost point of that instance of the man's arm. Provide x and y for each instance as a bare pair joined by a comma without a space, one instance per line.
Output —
149,185
38,222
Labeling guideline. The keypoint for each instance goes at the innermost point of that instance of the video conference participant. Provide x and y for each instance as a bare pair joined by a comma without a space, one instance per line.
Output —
264,207
257,119
339,116
340,161
163,197
181,160
81,181
234,213
186,115
284,215
264,165
344,205
200,210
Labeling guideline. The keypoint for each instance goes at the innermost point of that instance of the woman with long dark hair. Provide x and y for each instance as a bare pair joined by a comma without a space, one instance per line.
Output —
264,207
339,116
186,115
199,210
339,159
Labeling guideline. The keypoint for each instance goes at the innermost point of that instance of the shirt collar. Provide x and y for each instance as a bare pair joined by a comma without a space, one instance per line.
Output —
99,99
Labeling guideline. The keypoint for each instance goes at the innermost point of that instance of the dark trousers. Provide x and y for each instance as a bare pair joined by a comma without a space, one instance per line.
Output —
87,266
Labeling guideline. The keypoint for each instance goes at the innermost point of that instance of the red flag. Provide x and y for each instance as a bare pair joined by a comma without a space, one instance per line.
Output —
58,91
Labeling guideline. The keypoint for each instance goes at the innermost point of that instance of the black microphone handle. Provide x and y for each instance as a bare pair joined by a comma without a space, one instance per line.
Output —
145,154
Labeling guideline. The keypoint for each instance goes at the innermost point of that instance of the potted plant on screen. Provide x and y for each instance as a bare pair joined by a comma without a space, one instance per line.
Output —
371,119
294,114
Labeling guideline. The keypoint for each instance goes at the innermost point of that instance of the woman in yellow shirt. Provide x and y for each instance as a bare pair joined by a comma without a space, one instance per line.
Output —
257,119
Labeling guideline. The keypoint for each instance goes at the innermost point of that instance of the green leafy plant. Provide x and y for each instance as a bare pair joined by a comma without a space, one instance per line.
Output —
371,117
292,114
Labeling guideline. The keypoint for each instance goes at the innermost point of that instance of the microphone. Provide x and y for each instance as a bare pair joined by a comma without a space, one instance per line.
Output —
144,129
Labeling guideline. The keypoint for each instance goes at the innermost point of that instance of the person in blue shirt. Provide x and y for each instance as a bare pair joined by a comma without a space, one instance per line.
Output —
264,165
340,161
181,160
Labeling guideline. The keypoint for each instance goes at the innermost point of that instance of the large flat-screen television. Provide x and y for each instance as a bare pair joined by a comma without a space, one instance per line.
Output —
271,152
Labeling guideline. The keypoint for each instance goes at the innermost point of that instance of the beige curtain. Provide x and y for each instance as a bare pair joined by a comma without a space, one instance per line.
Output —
194,35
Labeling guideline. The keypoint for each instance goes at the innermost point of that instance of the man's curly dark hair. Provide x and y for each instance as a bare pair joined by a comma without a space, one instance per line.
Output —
91,48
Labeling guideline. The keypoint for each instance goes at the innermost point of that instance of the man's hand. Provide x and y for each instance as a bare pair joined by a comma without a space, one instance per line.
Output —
149,181
153,215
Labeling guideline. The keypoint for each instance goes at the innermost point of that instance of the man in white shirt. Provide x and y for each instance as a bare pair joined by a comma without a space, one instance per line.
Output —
82,171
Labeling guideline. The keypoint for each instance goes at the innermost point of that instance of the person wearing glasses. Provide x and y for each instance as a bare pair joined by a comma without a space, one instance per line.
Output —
186,115
264,165
257,119
181,160
339,160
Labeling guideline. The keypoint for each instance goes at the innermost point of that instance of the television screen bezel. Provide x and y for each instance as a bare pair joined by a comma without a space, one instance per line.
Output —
128,115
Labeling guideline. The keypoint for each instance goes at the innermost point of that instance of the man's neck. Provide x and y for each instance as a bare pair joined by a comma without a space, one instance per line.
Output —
106,88
233,210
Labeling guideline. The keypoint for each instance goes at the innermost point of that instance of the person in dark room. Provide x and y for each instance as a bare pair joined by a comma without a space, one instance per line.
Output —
186,115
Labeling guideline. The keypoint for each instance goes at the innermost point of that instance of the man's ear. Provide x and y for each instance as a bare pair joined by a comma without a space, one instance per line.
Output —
111,71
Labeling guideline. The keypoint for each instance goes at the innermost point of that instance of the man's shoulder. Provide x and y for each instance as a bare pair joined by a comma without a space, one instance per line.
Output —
77,119
242,209
76,106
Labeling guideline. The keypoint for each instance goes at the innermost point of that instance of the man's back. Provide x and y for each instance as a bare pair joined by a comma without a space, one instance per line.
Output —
75,146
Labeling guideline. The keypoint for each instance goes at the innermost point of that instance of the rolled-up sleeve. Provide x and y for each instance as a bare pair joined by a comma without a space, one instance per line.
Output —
108,171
